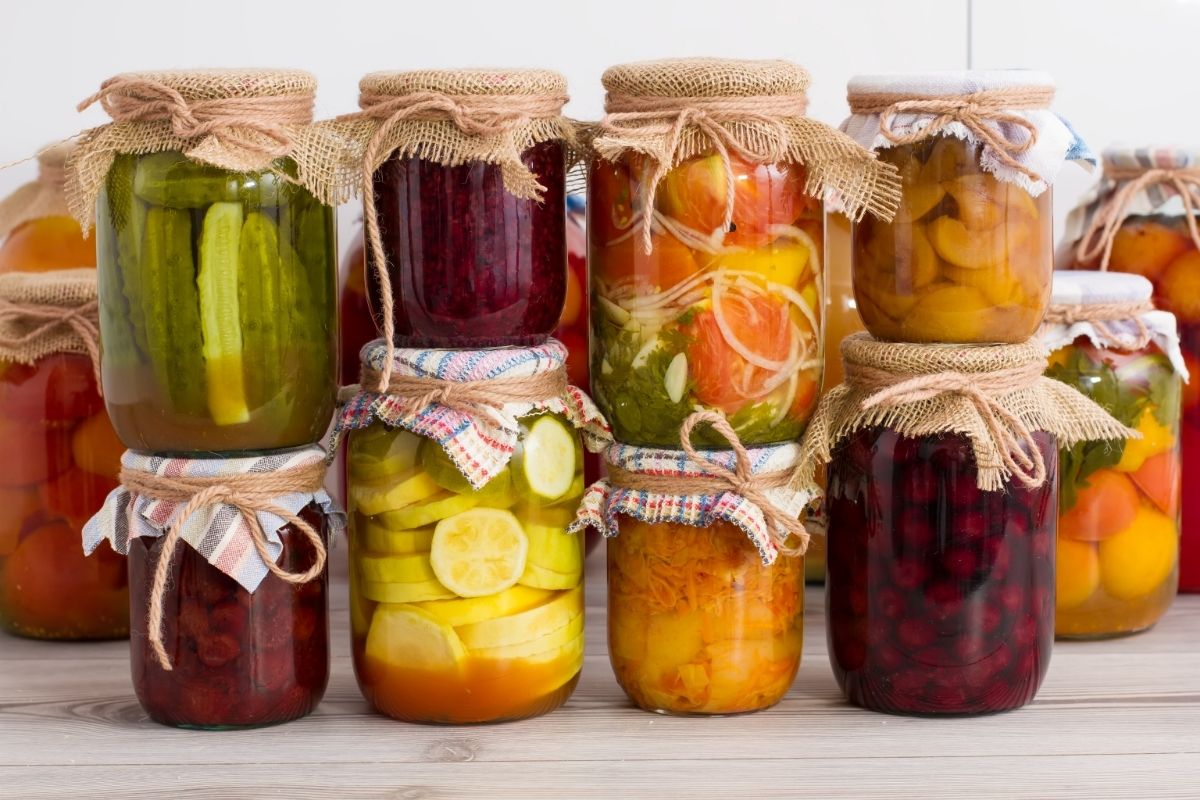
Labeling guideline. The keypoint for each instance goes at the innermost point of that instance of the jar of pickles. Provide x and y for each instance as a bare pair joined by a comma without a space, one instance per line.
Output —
942,502
466,590
464,197
969,254
705,247
705,581
218,304
229,599
63,455
1118,531
1142,218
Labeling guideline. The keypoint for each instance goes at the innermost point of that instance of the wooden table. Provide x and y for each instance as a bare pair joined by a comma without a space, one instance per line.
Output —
1114,719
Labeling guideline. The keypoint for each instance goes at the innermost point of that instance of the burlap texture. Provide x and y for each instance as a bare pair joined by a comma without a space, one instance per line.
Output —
1045,404
243,120
759,104
60,289
452,117
39,198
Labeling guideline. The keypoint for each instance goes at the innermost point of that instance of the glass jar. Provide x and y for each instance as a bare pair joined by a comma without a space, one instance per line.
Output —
1118,529
967,258
218,307
471,264
354,312
727,320
940,596
466,605
696,623
239,659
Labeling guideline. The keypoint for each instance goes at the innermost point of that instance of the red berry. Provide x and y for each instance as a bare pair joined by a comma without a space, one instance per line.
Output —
909,573
915,633
960,562
890,602
217,650
1013,598
914,532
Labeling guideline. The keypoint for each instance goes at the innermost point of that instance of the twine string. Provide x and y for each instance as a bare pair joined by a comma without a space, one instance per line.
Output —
82,320
1101,233
1101,317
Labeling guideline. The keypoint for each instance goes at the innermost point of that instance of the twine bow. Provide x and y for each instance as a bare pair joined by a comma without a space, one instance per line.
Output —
227,119
983,113
1101,316
250,494
83,320
1018,450
740,480
659,123
1098,240
483,116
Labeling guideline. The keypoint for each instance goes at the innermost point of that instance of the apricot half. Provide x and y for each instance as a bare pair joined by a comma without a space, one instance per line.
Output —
1077,572
1145,247
1137,560
970,249
1180,286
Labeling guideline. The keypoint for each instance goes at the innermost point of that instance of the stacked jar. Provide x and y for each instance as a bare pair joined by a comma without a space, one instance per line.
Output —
1118,534
465,457
52,419
218,321
1144,218
941,488
705,236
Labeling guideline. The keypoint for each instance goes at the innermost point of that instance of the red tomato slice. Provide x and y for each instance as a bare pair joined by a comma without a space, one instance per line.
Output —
59,387
611,204
723,377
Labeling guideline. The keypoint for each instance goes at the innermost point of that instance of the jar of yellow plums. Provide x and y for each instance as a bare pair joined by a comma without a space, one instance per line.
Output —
1118,528
969,255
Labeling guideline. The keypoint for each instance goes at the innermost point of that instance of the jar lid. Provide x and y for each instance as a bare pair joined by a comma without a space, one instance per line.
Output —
503,82
948,81
1083,288
1145,157
707,77
221,84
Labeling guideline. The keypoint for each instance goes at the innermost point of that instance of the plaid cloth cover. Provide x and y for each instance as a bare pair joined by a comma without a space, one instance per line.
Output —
602,502
480,446
217,532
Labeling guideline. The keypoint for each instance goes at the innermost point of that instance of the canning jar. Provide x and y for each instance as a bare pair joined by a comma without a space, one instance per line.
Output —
469,198
969,254
466,590
707,267
218,299
1135,221
244,641
942,503
63,455
1118,530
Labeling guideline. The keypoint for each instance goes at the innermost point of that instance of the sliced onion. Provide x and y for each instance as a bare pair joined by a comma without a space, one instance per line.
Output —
733,341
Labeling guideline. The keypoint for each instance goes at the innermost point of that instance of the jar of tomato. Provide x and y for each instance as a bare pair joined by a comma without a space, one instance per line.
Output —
942,501
464,201
217,263
230,601
466,591
1137,221
706,257
705,582
63,455
969,254
1118,532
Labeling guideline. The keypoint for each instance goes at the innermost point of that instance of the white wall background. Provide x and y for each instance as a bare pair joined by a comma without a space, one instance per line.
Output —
1126,69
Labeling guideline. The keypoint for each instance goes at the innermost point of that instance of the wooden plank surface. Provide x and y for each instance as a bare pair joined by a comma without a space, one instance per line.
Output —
1119,718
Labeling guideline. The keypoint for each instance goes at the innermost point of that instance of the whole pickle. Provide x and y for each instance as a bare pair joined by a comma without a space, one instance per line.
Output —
171,179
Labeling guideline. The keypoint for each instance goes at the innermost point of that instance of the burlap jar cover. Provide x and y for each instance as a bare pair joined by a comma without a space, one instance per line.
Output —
243,120
231,511
1113,311
995,396
670,111
1136,182
754,489
451,117
42,313
42,197
469,401
1006,112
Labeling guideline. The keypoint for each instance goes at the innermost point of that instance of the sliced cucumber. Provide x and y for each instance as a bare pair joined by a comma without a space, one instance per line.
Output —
545,466
220,321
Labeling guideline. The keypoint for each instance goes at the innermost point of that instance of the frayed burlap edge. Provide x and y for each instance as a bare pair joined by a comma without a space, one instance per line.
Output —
59,289
40,198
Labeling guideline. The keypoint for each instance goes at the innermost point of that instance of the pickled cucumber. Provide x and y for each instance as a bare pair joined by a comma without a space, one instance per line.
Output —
128,216
170,179
171,308
116,331
259,276
219,314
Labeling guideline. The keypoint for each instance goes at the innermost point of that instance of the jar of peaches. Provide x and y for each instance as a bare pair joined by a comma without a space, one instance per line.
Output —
705,591
941,519
63,455
969,254
1118,530
1140,219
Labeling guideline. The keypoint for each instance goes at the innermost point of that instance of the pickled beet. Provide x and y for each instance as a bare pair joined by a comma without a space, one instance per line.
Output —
471,265
959,582
238,659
